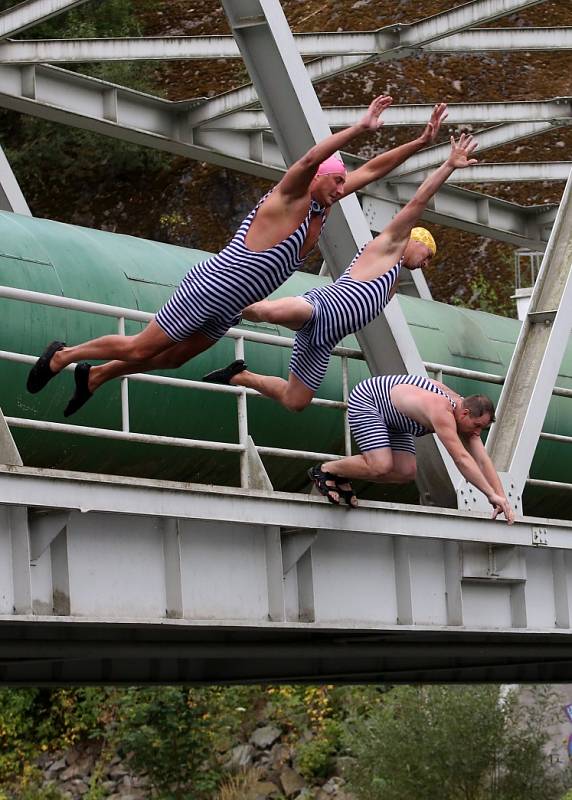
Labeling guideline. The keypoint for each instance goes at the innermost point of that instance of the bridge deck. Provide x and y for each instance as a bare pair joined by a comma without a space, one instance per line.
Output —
113,579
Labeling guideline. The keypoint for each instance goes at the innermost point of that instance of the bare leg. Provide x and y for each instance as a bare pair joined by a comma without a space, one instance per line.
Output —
151,341
175,356
292,394
291,312
379,466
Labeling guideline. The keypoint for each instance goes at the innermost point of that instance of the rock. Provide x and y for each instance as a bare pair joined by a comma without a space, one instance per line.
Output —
291,781
72,756
56,767
239,757
117,771
262,790
266,736
279,755
77,770
79,787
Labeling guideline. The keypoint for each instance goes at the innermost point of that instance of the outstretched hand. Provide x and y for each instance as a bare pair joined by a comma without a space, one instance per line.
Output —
438,115
461,151
370,120
501,506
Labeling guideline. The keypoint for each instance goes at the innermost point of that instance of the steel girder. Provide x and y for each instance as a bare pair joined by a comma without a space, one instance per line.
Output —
310,45
557,111
537,357
25,15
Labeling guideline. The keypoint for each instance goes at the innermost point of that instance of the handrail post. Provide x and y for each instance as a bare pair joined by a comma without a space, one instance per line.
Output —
124,384
242,412
345,395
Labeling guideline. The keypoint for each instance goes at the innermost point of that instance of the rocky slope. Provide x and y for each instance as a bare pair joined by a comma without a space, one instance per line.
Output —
264,767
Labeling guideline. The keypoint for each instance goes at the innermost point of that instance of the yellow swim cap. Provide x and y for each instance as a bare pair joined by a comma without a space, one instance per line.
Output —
422,235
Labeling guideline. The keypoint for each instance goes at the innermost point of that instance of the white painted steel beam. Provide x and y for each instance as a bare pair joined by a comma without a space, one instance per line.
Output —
553,111
24,15
310,45
95,493
496,136
537,356
290,102
465,210
505,173
458,19
484,40
11,197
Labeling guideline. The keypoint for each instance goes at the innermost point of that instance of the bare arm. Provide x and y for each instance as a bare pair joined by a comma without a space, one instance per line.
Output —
445,428
386,162
296,181
478,451
397,232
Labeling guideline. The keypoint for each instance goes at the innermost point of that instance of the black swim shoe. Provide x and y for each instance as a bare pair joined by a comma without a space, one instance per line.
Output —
40,374
82,393
226,373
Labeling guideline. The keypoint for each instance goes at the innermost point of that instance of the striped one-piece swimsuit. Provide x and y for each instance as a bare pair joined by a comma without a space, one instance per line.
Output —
338,309
375,422
212,295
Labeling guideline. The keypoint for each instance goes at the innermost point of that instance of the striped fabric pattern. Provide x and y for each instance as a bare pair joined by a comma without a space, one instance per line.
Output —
339,308
212,295
375,422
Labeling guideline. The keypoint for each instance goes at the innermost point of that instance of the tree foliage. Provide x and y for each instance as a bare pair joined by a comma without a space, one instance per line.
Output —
454,743
71,155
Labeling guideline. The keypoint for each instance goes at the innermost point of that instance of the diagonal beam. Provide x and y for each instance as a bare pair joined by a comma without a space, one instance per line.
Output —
26,14
464,210
537,356
507,173
11,197
310,45
488,139
461,18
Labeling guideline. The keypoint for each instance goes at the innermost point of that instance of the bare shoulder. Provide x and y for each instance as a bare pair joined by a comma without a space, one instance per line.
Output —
420,404
377,258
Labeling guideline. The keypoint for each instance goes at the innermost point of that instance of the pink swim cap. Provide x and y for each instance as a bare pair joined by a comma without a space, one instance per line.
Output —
332,166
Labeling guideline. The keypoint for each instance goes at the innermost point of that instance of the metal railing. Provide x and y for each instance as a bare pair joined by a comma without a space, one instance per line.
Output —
239,336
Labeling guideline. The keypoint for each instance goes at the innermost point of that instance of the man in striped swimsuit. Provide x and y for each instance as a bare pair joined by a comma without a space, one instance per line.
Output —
323,316
269,246
386,412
